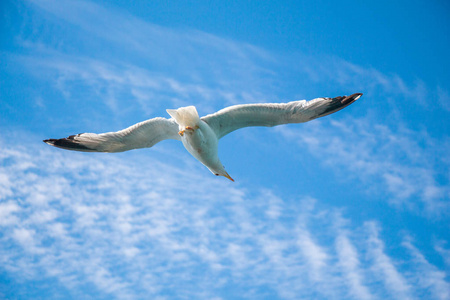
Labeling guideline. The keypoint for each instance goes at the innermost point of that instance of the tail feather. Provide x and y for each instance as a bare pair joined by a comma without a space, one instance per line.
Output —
185,116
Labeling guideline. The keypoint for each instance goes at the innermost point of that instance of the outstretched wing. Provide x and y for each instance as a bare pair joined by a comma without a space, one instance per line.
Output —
141,135
270,114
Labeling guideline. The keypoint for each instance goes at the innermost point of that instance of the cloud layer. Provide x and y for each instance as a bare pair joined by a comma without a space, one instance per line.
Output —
119,224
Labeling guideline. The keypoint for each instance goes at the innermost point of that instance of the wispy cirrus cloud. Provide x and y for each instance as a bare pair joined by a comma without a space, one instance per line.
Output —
444,252
352,269
384,268
431,280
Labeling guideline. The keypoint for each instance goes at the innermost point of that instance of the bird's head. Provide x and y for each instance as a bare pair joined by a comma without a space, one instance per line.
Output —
219,170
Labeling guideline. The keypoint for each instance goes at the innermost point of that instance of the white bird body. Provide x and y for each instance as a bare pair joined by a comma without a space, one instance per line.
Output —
200,136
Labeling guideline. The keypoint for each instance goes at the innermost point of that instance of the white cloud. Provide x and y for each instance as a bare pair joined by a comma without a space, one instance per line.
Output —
7,210
384,267
351,266
430,280
444,252
315,255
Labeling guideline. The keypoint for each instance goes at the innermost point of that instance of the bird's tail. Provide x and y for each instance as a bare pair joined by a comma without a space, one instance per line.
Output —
185,116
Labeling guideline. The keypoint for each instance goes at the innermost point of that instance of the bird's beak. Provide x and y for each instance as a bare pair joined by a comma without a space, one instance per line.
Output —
228,176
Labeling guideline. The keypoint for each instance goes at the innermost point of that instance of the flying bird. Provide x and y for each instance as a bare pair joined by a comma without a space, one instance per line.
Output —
200,136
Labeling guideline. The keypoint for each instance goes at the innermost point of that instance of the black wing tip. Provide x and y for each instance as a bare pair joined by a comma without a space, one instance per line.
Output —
68,143
49,141
350,99
338,103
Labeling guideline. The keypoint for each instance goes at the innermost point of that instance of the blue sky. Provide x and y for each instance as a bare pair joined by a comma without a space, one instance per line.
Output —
351,206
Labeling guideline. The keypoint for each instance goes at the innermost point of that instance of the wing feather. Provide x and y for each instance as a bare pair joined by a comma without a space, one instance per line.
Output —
271,114
141,135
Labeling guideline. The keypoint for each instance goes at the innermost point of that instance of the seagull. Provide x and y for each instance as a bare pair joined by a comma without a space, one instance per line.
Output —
200,136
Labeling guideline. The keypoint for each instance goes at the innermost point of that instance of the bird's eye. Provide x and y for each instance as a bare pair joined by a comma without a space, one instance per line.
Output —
216,174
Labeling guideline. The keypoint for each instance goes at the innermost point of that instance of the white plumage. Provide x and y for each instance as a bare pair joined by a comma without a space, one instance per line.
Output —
200,136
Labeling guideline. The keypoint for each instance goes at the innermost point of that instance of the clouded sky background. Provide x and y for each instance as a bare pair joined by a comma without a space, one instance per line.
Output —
351,206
